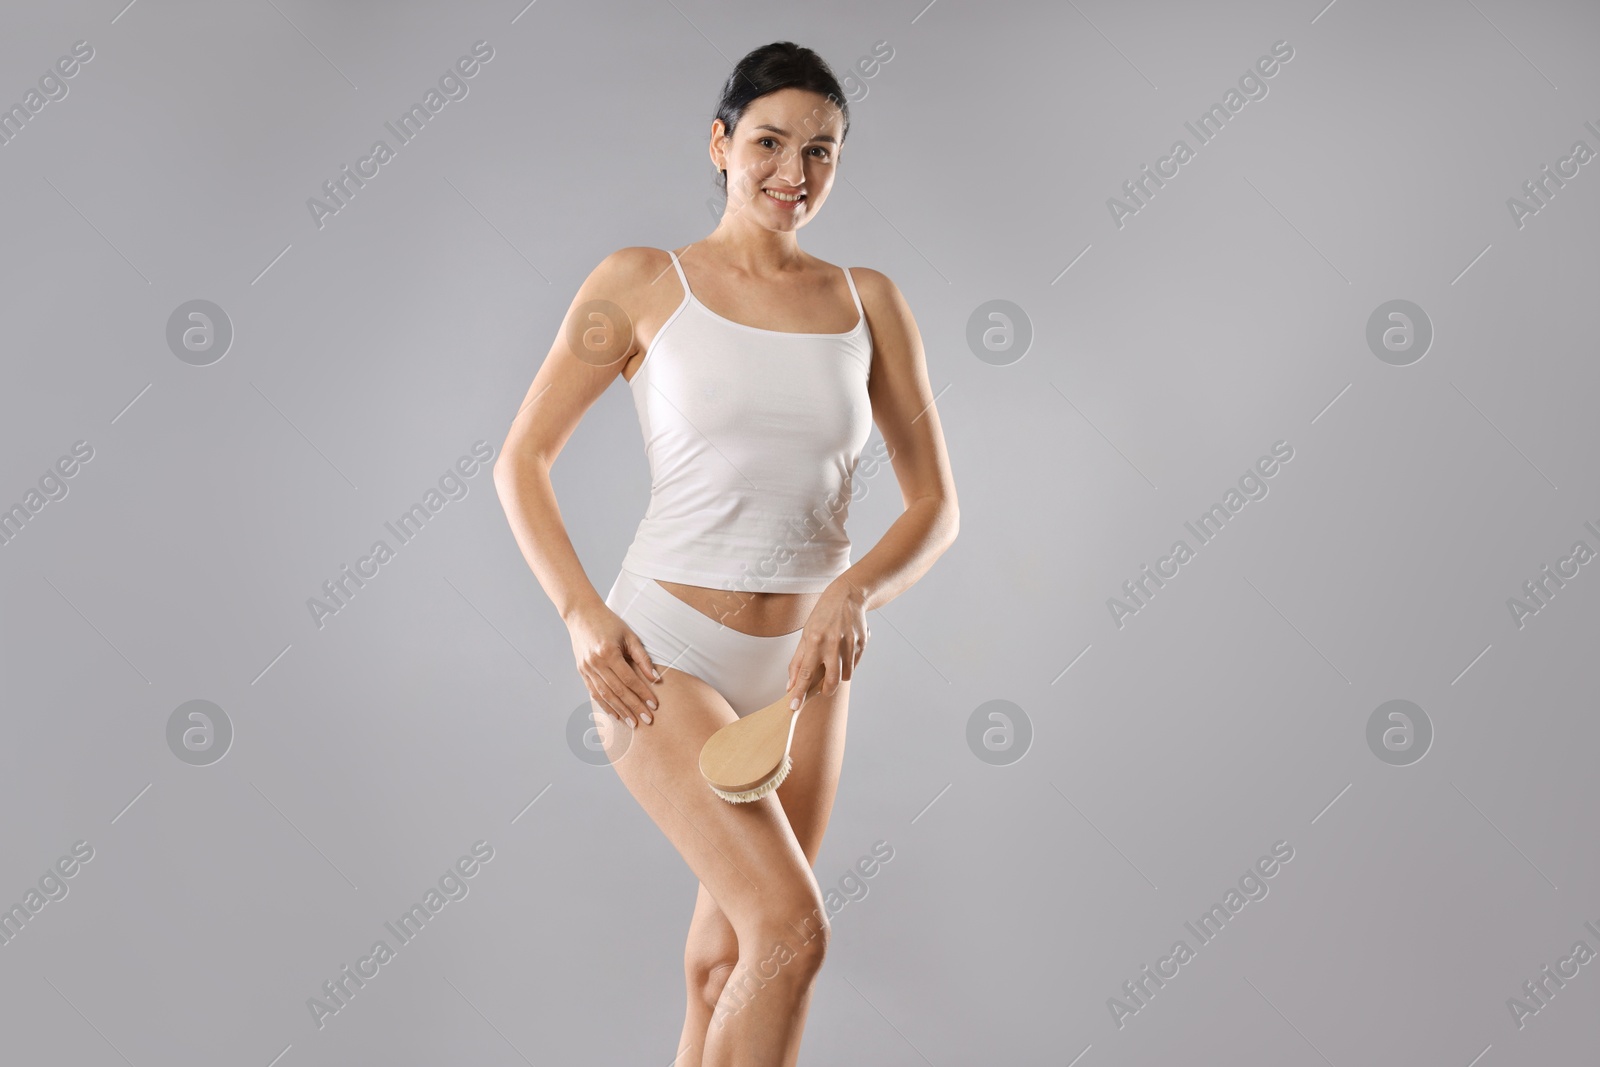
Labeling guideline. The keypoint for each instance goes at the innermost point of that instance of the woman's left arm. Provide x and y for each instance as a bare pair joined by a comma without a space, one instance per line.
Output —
903,409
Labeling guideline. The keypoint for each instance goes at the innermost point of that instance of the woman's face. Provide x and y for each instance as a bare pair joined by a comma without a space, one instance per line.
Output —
786,143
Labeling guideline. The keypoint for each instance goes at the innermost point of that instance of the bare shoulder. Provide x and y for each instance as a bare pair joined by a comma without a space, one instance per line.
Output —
888,314
639,280
627,269
879,294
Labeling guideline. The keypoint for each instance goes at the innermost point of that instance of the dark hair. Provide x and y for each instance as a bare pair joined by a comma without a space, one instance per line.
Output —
780,65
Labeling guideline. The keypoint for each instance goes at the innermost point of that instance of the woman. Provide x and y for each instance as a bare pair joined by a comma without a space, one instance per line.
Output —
738,588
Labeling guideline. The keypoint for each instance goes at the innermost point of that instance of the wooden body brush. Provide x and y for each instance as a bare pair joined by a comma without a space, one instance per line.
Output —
749,757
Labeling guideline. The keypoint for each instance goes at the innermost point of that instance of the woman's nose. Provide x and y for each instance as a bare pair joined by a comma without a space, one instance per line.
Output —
791,168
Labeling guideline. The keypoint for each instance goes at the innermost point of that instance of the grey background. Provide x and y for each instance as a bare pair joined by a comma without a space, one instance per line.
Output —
431,712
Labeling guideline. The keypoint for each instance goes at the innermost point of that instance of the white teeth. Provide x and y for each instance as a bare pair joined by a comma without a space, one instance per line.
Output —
780,196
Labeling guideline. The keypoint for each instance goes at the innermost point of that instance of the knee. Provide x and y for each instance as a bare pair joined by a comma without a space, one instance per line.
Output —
780,962
810,946
776,958
789,946
706,969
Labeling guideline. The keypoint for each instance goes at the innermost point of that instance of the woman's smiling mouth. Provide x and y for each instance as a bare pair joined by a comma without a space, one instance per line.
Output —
786,200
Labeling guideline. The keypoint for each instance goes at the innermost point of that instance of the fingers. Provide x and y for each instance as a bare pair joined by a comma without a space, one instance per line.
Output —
620,680
843,658
853,654
631,691
601,694
827,660
617,687
799,682
861,646
641,659
617,704
826,667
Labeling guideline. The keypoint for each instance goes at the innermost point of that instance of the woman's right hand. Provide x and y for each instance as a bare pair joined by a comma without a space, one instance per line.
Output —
613,664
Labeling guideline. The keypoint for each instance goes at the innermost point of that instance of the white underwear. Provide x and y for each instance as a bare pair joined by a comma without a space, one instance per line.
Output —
749,671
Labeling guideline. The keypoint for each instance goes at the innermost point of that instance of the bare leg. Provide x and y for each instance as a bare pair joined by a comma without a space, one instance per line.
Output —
709,957
806,796
749,860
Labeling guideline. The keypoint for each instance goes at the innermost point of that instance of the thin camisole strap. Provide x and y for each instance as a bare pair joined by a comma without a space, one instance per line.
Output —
848,277
853,294
679,269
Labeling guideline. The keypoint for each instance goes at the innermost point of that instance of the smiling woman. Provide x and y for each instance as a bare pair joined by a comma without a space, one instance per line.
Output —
757,372
819,127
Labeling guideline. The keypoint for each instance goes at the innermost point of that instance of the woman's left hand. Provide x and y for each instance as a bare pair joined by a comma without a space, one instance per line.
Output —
831,644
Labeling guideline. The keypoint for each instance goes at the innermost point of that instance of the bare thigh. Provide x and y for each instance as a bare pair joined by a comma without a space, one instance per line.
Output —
746,855
806,797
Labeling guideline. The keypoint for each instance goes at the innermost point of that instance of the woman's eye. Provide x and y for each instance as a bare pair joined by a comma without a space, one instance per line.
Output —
770,142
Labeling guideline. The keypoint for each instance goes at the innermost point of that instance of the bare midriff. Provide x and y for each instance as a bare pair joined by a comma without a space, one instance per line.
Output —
756,614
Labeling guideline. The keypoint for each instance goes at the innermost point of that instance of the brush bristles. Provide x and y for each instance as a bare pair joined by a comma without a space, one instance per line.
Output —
759,791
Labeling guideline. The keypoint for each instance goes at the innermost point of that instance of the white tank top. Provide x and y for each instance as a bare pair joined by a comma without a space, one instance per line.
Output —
752,438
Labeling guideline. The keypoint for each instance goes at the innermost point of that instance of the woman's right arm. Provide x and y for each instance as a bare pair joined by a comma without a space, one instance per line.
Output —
594,342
